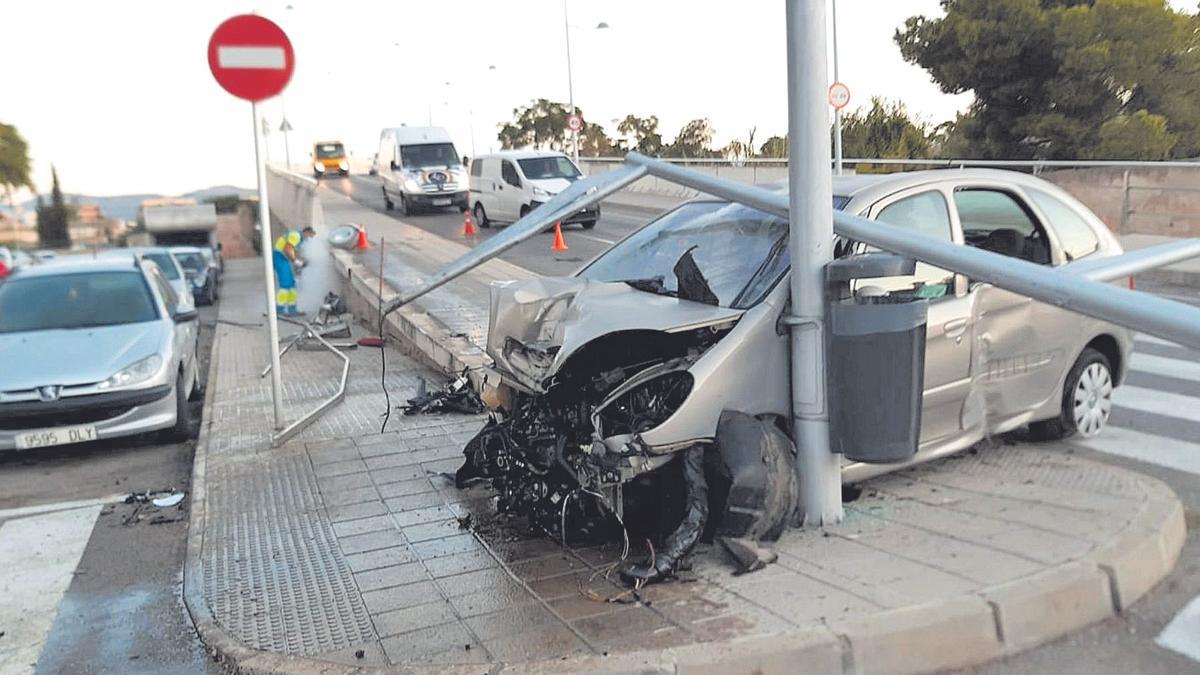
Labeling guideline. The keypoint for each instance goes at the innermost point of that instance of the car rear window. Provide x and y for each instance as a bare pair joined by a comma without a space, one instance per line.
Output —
75,300
165,263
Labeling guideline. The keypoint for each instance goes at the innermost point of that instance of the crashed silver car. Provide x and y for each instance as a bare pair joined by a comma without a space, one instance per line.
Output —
656,380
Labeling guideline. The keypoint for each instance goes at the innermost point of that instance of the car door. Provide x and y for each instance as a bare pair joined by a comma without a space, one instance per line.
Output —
489,186
1021,345
948,330
508,192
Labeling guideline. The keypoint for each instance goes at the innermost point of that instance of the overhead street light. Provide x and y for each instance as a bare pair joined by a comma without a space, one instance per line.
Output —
570,80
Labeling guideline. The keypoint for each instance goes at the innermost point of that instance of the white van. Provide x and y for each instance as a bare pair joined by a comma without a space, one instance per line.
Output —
420,168
507,185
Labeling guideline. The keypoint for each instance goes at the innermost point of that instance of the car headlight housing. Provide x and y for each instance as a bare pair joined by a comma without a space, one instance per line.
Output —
344,165
136,373
411,184
539,192
318,167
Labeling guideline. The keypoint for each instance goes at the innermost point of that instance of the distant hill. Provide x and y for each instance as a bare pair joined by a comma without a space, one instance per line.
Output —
125,207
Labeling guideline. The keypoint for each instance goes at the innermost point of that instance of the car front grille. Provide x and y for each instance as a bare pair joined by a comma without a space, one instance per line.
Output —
46,420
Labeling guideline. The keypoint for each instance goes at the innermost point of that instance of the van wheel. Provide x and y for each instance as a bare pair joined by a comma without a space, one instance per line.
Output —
1086,400
387,201
481,216
404,208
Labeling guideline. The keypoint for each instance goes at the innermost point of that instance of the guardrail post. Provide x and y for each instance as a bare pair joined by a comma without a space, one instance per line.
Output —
1123,228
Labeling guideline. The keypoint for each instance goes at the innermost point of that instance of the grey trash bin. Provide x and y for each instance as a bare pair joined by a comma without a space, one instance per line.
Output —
876,364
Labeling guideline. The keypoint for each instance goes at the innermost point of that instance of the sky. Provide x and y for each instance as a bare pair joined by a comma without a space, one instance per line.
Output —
119,97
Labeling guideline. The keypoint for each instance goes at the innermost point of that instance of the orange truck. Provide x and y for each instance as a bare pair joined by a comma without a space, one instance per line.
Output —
329,157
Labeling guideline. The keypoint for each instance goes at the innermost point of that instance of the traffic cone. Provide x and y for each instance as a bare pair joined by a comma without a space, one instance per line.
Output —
468,226
362,244
560,244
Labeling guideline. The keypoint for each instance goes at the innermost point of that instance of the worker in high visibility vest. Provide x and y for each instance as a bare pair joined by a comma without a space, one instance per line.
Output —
286,259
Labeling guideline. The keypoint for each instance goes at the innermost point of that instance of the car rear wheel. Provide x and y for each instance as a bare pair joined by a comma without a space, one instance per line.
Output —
405,208
1086,400
481,216
183,415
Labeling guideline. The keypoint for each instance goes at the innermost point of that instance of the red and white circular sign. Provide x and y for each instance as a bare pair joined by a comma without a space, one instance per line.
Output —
839,95
251,57
575,123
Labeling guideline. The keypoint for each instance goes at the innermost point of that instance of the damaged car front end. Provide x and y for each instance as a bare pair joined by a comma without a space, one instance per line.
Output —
607,416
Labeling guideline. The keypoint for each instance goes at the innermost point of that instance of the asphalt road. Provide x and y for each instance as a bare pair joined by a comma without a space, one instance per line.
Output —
123,610
615,223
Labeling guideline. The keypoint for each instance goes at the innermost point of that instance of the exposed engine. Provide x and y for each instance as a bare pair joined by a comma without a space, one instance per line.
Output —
544,458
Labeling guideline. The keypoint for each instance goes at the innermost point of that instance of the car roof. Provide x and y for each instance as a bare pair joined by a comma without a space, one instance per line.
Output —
133,250
521,154
76,264
418,135
875,186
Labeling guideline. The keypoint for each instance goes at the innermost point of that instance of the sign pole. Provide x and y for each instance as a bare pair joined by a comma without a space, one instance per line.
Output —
264,218
837,111
810,200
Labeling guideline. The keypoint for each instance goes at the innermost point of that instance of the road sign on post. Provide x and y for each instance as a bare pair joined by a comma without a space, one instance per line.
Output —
252,58
575,123
839,95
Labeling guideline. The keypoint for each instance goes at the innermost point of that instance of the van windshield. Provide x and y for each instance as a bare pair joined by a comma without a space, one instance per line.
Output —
431,154
538,168
330,151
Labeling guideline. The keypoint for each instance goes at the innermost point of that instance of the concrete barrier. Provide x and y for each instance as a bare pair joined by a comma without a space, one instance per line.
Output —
293,201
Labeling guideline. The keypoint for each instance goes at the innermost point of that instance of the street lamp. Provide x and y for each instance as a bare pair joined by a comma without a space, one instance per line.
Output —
570,82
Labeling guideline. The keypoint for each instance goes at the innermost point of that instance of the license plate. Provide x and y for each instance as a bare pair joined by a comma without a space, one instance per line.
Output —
441,202
45,438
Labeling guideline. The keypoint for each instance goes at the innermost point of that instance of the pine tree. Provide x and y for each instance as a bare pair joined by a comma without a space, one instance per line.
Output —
52,217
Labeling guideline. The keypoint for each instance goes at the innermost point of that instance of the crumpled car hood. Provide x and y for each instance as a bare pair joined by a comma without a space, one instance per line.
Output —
537,323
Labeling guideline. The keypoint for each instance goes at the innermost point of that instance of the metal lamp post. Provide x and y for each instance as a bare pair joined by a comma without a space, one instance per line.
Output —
570,81
810,195
837,111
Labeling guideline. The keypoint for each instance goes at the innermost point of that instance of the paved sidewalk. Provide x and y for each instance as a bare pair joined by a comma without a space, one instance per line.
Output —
344,546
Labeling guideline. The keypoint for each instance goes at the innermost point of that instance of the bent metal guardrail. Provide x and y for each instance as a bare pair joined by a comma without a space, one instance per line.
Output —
1062,286
281,436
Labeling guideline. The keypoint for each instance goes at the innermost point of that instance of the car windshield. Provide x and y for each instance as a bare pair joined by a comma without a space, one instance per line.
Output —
330,151
432,154
75,300
537,168
192,261
738,252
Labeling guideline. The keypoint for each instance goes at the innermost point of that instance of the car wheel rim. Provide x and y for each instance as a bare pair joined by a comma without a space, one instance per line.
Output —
1093,399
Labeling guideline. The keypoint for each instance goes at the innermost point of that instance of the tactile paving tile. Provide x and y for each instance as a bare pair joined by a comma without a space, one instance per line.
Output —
273,573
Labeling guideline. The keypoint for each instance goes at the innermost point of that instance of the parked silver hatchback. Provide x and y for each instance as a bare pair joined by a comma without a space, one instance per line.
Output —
94,349
656,347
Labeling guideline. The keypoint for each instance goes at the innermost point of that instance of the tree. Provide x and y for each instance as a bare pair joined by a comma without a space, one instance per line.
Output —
1140,136
594,142
1047,75
52,217
884,131
775,147
693,140
739,150
541,124
640,134
14,161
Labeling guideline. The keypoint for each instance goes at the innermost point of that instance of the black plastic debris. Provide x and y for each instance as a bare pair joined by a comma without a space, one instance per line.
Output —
456,396
164,498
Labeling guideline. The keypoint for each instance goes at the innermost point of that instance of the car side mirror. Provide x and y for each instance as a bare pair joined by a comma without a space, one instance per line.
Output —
220,246
186,315
393,165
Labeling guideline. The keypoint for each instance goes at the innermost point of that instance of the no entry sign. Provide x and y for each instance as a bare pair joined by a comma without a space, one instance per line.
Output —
839,95
251,57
